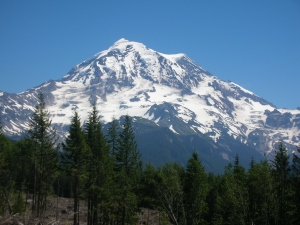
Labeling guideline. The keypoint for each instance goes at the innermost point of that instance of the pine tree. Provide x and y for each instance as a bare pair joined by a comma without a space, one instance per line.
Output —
261,194
213,200
7,174
146,194
234,194
127,156
100,172
74,157
43,135
25,168
128,166
113,136
236,162
281,175
296,185
195,191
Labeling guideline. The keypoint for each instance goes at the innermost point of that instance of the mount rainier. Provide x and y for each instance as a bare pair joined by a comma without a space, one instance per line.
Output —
167,93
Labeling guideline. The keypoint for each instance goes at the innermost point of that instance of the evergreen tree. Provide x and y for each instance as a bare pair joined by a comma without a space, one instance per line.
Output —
213,200
7,174
100,172
252,163
195,191
25,168
240,178
236,162
74,157
44,139
281,175
146,194
296,186
234,195
261,194
113,136
128,166
127,155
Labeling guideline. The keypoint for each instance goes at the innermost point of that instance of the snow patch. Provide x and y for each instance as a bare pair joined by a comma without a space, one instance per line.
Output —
172,129
225,156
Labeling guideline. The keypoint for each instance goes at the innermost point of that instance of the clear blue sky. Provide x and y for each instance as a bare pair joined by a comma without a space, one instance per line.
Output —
255,44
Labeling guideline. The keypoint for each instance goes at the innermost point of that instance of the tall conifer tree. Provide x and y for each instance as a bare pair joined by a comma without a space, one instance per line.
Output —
128,166
75,153
7,173
281,174
128,156
234,194
261,194
195,191
296,185
113,136
100,171
44,139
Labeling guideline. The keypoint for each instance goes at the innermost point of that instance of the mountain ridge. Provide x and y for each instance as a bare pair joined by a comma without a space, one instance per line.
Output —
170,90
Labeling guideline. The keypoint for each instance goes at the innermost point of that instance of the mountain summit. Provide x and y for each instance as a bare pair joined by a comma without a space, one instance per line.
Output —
172,91
125,62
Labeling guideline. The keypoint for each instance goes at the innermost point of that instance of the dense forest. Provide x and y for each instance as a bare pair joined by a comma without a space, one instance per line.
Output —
106,174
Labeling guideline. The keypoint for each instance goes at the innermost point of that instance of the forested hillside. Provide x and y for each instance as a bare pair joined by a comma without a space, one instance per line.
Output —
105,174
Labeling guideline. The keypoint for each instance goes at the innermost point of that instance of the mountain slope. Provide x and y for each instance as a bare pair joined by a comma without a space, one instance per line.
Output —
159,145
170,90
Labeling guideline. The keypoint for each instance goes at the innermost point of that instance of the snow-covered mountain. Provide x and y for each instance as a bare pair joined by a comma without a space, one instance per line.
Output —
170,90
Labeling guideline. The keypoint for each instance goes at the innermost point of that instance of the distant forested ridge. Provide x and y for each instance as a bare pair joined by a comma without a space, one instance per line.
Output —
104,171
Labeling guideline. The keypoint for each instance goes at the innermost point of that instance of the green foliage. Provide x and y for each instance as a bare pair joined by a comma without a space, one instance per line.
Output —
296,186
19,205
128,167
100,173
127,155
7,173
23,177
168,188
74,158
282,184
44,157
195,191
234,195
113,136
261,194
214,200
147,195
108,175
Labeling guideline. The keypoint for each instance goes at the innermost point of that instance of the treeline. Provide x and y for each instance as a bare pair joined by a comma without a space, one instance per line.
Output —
107,174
